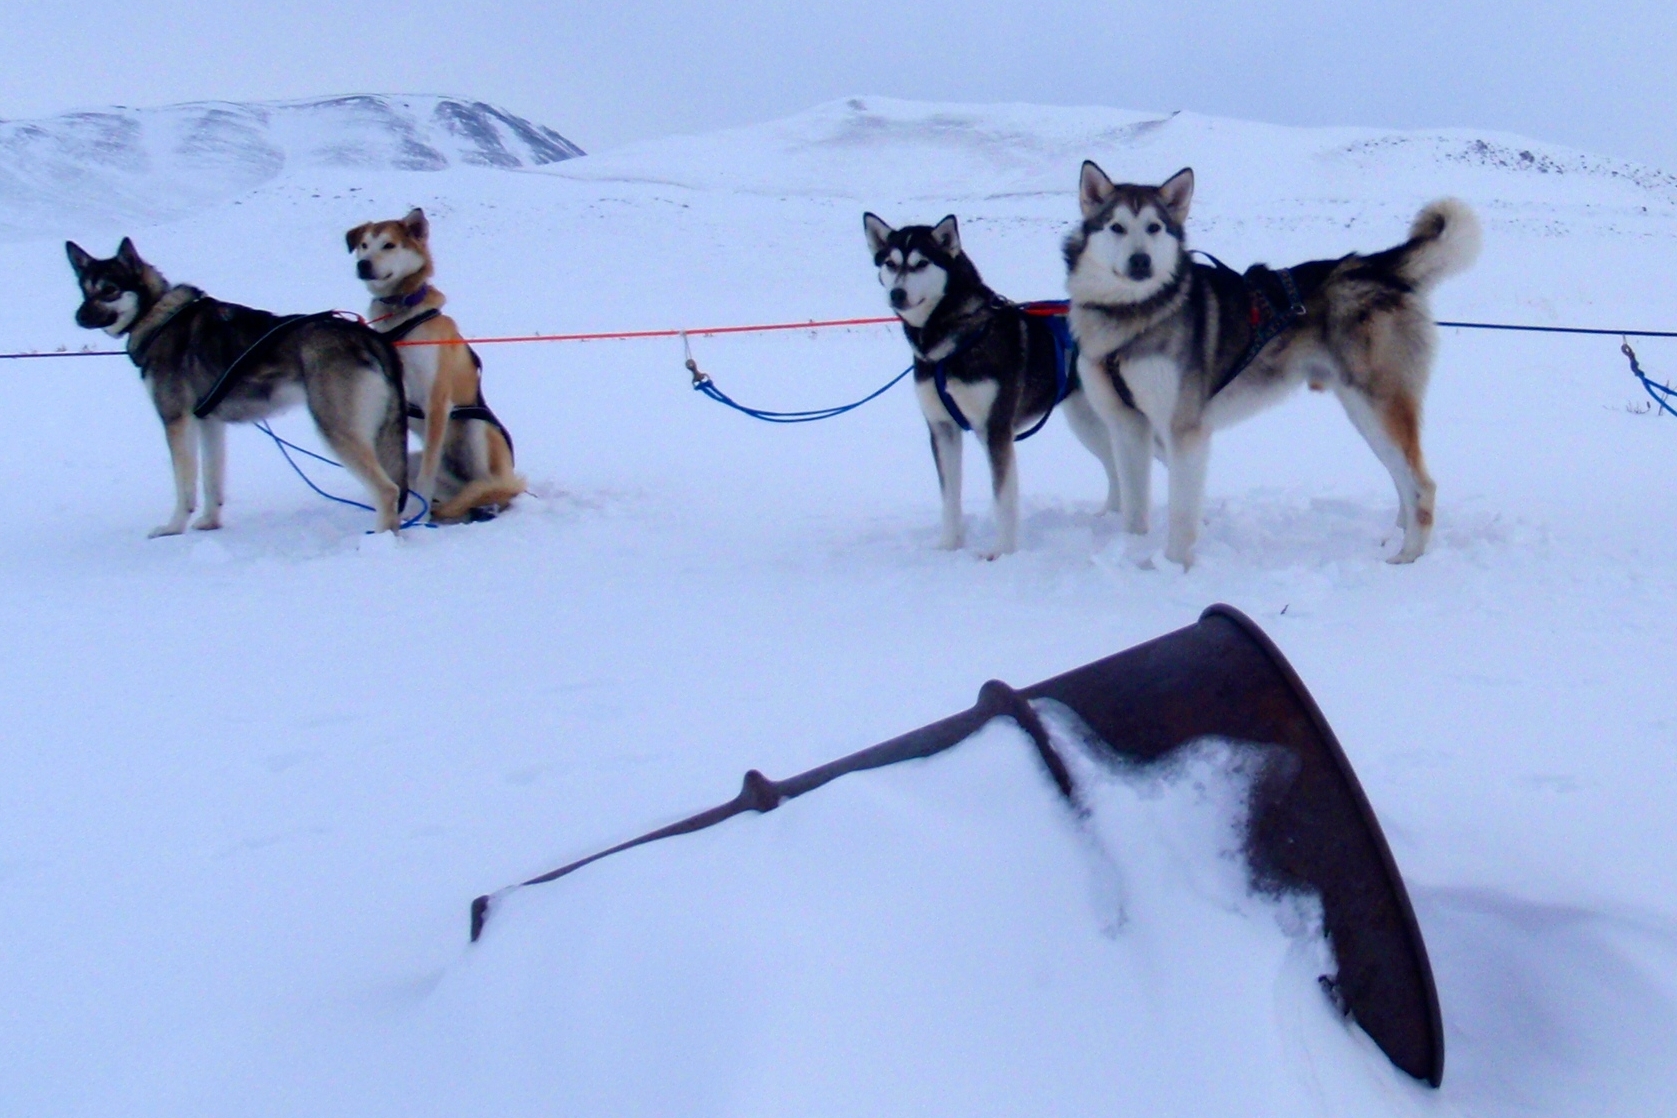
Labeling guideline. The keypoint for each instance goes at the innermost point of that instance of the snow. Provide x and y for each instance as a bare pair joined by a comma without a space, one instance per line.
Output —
253,779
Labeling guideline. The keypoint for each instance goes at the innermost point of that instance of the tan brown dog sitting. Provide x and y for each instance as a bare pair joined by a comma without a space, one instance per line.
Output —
466,469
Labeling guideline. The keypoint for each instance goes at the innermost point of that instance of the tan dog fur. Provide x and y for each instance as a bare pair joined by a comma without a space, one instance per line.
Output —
466,463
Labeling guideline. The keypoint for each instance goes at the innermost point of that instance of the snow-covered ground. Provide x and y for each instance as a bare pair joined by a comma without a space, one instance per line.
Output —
251,780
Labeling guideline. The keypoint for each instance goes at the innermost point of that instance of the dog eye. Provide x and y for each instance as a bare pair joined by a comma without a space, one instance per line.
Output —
1117,228
106,290
1155,227
919,267
388,245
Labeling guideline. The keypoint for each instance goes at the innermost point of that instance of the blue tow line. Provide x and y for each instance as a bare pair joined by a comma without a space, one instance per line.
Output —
285,449
1661,394
703,383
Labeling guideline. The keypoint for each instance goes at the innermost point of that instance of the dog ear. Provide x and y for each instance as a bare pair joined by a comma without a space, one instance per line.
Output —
1094,189
1176,193
416,225
947,236
353,237
79,259
129,255
878,233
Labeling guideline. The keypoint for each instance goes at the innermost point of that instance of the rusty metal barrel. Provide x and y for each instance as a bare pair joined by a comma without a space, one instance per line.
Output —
1309,828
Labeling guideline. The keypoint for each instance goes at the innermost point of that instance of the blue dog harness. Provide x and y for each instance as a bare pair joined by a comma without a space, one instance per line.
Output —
1065,356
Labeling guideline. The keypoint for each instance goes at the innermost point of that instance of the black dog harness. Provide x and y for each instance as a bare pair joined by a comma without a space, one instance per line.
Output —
1273,305
479,410
138,356
1065,357
224,384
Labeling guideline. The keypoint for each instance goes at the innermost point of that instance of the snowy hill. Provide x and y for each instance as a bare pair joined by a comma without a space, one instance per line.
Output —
253,778
122,166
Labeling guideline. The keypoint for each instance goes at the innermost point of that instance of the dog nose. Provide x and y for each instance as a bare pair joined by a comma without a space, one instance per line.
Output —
364,269
899,298
1140,266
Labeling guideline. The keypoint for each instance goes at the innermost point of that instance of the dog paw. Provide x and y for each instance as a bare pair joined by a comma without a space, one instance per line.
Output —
207,523
169,529
948,544
1403,557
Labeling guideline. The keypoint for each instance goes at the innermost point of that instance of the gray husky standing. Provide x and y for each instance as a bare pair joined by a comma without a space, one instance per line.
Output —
185,343
1172,349
981,363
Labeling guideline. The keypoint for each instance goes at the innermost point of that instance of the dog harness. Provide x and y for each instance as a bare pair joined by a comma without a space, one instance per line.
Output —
479,410
1065,356
137,354
224,383
401,330
1273,305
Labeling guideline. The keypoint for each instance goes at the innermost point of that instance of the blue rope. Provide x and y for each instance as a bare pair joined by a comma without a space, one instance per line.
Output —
707,386
1560,329
1661,394
285,449
703,383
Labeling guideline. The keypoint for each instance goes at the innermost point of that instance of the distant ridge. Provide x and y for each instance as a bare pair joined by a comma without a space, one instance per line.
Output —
122,165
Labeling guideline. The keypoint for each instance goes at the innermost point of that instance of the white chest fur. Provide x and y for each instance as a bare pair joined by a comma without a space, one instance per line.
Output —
1154,383
419,371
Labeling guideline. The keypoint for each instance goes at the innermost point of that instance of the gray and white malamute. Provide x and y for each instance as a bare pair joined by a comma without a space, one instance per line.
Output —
1171,349
185,343
981,363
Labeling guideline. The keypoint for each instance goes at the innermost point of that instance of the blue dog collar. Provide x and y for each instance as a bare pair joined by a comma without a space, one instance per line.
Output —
413,300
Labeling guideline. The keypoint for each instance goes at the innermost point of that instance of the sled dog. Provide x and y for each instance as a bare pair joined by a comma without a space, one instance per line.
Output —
186,344
466,467
1172,349
981,363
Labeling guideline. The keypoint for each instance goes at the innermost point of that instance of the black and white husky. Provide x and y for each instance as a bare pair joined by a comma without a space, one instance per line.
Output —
186,343
981,363
1171,349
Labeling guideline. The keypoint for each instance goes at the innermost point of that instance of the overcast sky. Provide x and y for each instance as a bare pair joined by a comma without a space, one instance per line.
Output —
1599,76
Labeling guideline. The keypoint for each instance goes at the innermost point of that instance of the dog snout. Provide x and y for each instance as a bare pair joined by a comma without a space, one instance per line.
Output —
364,269
899,298
1140,266
90,316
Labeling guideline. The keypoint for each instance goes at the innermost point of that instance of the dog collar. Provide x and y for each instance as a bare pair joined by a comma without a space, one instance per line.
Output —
412,300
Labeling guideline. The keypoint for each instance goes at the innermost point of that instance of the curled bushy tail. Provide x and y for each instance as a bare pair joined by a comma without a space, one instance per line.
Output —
1443,240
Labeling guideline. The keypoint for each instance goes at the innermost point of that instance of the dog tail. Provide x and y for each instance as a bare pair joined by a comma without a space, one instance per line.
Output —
1443,241
496,491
